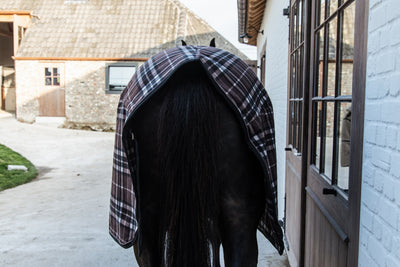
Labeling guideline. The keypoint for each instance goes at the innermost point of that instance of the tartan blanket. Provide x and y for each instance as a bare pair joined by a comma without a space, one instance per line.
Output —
241,87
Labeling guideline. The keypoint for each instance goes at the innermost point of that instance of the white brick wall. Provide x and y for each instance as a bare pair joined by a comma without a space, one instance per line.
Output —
380,196
275,39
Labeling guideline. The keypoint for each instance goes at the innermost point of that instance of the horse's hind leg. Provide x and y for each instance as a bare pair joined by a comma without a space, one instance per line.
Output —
145,125
238,230
239,240
242,203
241,196
149,248
145,129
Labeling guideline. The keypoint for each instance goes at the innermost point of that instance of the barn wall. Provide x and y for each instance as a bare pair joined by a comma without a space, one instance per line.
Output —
275,41
380,195
86,101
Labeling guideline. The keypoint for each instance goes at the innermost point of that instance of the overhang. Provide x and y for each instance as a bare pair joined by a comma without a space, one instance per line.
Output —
250,16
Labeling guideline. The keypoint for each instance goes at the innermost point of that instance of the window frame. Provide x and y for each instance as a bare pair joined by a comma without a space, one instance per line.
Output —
52,76
320,96
297,66
107,75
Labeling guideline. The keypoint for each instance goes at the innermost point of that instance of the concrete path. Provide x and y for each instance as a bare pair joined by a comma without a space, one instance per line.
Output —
61,218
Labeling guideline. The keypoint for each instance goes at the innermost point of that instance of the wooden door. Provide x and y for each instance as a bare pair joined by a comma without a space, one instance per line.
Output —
325,129
336,113
52,91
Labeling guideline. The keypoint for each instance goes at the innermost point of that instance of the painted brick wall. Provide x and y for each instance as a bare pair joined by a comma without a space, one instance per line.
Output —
275,40
380,196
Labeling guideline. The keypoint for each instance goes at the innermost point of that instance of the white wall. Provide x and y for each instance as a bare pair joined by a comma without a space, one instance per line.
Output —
380,195
275,37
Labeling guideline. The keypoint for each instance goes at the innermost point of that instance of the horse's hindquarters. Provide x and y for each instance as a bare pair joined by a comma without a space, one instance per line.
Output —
199,181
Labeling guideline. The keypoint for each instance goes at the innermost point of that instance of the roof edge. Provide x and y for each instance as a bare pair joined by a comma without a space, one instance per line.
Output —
15,12
81,58
250,16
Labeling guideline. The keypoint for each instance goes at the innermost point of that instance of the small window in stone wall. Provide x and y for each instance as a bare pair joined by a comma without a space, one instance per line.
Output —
52,76
118,76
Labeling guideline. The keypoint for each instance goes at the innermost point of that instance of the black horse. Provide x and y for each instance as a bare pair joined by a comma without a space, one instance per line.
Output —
200,184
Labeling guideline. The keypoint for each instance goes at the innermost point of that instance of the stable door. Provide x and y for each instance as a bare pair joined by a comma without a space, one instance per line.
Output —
325,129
52,90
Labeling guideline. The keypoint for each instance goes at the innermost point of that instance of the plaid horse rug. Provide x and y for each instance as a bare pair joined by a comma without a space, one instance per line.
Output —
242,89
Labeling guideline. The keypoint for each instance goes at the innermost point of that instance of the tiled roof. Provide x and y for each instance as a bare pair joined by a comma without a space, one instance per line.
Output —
110,28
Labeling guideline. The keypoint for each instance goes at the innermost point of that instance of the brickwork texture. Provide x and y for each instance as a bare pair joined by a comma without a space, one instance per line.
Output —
380,196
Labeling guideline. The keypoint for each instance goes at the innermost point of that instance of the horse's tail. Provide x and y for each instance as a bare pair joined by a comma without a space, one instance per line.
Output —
188,156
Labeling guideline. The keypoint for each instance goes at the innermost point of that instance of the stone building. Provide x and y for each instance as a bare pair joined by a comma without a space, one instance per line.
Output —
331,69
72,58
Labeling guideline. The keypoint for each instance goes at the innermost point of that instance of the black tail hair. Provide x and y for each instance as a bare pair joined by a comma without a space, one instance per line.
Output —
187,138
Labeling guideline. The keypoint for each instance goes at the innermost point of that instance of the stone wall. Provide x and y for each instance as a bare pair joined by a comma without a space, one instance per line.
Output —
380,194
86,102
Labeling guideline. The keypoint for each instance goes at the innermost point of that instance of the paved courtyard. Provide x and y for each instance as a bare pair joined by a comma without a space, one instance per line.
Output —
61,217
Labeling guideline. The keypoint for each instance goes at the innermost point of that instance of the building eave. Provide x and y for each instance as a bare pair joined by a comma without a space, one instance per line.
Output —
250,16
15,12
80,58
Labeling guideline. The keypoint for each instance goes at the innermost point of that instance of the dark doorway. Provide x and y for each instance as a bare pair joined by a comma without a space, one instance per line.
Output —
7,80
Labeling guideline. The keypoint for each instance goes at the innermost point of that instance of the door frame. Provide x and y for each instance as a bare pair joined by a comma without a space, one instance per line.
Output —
297,160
